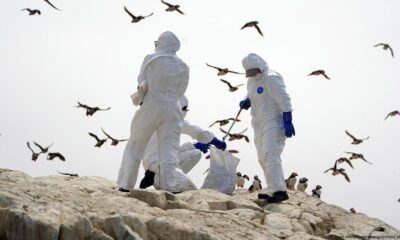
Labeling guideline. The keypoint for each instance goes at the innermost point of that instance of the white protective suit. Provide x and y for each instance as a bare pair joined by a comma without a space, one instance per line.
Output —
188,155
268,97
163,79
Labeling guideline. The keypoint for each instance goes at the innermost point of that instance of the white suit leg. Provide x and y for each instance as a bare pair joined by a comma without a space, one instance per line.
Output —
168,143
269,149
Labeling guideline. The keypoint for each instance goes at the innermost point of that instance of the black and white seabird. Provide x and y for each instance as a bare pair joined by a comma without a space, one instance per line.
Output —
253,24
316,192
336,171
302,185
223,122
34,154
43,149
223,71
236,136
319,72
172,7
342,160
136,19
100,142
352,210
392,114
69,174
291,181
355,140
256,185
91,110
114,141
385,46
357,156
31,11
231,88
240,179
53,155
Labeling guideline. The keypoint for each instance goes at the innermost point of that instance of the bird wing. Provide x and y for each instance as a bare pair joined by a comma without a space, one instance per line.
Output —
350,135
326,76
219,69
329,170
148,15
348,161
93,135
365,138
168,4
345,175
27,9
179,11
246,25
387,116
51,5
349,152
61,157
222,130
247,177
379,44
246,138
234,72
104,109
82,105
239,85
29,146
41,148
129,13
214,123
224,81
391,51
243,131
362,157
107,135
233,151
258,30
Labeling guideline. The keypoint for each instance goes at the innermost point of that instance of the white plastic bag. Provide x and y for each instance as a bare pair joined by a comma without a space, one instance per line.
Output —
222,173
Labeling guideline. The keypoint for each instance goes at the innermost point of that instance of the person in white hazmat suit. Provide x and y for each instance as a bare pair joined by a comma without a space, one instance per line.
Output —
163,79
271,112
189,155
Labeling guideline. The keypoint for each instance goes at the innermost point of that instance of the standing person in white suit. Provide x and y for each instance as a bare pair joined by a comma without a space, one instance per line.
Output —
189,155
271,112
163,79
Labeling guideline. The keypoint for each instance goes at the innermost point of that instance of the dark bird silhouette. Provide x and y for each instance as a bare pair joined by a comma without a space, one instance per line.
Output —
392,114
91,110
53,155
240,179
291,181
100,142
48,2
352,210
69,174
316,192
342,160
223,122
223,71
356,140
256,184
32,11
253,24
44,150
236,136
357,156
319,72
336,171
385,46
231,88
172,7
34,155
114,141
136,19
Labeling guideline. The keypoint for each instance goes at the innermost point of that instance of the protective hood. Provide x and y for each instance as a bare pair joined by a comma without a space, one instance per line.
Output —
168,42
254,61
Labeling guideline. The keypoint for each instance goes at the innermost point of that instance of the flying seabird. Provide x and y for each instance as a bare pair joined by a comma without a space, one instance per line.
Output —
100,142
253,24
114,141
32,11
355,140
385,46
319,72
34,155
91,110
357,156
53,155
236,136
240,179
136,19
291,181
222,71
342,160
44,150
336,171
223,122
231,88
172,7
392,114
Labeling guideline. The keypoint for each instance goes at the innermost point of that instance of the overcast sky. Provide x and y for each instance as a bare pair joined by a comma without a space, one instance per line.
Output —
92,53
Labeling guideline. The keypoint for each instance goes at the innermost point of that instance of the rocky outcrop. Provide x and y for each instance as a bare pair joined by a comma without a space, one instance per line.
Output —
58,207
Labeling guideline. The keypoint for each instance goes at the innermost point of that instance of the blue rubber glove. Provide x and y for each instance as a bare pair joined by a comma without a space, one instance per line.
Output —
201,146
245,104
218,143
288,125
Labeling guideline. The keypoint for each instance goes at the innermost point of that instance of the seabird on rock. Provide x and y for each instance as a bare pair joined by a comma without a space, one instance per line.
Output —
240,179
256,185
302,185
291,181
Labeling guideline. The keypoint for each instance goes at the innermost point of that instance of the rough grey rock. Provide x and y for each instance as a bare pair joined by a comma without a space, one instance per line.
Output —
59,207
